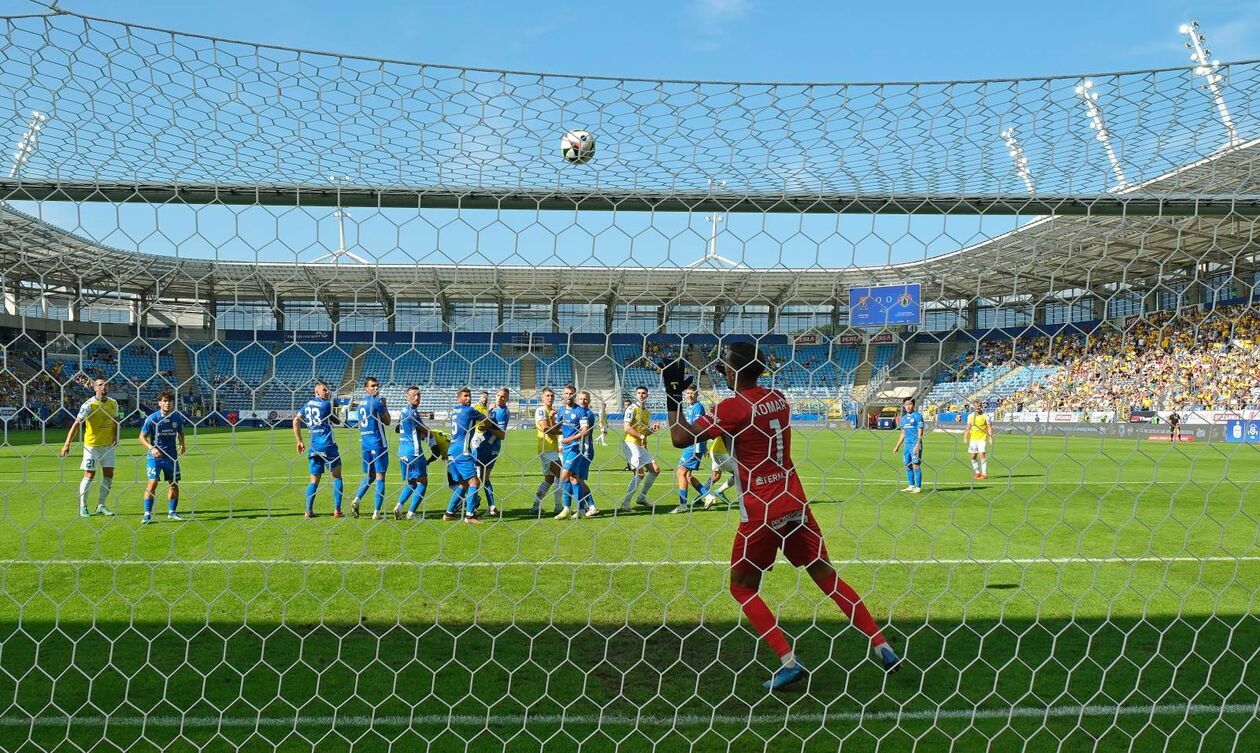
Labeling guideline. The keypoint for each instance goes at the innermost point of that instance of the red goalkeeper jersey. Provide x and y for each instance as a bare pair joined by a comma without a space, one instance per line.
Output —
755,424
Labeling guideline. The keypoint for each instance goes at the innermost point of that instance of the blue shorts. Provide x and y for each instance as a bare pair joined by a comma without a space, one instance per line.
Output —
461,468
577,465
322,460
691,459
414,469
157,470
487,459
376,461
912,458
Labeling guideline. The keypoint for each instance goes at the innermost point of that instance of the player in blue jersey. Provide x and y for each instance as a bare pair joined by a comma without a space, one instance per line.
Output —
163,439
318,416
461,467
413,443
493,433
911,445
577,450
690,462
373,418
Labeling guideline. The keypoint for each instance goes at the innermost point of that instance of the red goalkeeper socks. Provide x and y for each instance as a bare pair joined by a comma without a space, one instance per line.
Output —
761,619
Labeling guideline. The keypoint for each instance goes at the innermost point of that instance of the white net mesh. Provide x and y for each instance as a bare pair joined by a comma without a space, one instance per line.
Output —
234,222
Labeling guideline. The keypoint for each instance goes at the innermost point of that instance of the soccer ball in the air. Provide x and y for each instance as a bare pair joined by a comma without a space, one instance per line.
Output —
578,147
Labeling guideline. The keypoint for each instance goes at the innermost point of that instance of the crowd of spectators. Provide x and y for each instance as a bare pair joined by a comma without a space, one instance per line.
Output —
654,356
1191,360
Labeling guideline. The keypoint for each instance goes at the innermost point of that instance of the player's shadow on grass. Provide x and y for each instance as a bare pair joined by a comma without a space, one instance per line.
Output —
252,513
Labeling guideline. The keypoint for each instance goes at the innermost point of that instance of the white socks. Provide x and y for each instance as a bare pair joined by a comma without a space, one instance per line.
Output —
648,480
634,484
85,483
984,467
106,482
975,466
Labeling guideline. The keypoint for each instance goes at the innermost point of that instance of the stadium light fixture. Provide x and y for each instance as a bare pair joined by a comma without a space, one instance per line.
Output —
1209,69
342,252
1089,98
1017,156
710,253
28,143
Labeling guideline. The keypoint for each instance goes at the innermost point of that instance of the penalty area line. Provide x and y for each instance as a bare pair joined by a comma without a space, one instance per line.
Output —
645,720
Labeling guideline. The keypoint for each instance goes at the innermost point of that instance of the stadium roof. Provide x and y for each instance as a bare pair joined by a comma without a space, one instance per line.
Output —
164,117
1046,256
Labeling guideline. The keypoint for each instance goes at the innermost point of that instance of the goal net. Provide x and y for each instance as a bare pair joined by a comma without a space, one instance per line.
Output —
1057,539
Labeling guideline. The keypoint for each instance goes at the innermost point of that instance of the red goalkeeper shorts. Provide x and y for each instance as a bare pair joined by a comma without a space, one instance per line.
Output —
796,533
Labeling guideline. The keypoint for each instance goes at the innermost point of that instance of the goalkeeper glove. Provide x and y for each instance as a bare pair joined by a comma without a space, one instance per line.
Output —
676,380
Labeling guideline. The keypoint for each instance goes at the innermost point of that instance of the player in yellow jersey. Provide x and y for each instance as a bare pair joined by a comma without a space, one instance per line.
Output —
547,433
979,440
99,418
639,426
720,460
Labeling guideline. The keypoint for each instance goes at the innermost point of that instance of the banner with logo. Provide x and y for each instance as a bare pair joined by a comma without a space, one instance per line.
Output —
849,338
269,416
883,338
1245,431
811,338
1063,417
1212,416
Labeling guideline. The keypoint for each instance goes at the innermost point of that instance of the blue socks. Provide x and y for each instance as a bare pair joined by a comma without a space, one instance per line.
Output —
310,497
910,476
586,499
457,499
380,493
682,497
471,508
413,491
918,477
363,485
418,497
311,488
171,505
489,487
148,505
566,494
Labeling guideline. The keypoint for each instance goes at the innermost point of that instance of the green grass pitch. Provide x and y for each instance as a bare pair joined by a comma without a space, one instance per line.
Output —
1091,595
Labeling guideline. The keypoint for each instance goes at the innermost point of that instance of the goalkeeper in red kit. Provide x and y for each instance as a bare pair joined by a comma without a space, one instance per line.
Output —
774,513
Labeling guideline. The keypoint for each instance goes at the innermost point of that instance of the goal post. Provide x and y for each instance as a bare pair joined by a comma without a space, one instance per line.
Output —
1056,538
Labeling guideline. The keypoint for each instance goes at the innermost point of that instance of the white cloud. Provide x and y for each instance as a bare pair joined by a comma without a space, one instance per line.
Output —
721,10
709,20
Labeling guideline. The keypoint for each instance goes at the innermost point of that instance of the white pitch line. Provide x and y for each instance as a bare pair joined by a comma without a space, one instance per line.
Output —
873,483
220,562
621,720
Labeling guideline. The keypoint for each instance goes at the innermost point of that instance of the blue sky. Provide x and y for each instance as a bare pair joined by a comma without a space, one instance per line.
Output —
754,40
692,39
